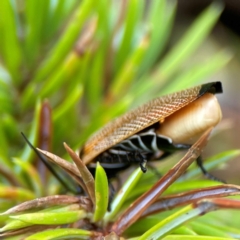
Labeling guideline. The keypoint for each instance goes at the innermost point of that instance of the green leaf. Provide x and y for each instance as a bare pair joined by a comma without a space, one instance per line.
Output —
48,218
129,70
189,43
167,225
9,42
35,27
60,51
61,111
101,193
186,237
27,151
65,43
33,176
123,193
198,72
207,229
16,194
61,234
43,218
160,11
133,14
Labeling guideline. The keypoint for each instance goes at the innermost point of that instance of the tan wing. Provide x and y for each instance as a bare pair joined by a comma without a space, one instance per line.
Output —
136,120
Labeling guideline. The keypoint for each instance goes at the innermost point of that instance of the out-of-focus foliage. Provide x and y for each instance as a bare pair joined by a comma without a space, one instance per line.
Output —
92,60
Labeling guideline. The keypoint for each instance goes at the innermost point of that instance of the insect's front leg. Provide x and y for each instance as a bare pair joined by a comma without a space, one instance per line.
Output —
143,164
142,161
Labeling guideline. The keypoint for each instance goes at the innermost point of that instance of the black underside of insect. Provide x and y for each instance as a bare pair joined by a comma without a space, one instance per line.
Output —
139,148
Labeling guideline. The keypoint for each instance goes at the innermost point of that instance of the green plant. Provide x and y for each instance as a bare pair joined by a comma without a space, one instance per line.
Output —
92,60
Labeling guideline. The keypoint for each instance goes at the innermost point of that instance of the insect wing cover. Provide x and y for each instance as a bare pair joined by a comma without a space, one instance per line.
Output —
144,116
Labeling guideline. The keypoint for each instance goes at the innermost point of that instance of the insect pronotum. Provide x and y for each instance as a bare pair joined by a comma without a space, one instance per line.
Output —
155,130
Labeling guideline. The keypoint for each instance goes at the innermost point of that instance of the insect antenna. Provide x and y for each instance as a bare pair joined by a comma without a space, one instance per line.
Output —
50,167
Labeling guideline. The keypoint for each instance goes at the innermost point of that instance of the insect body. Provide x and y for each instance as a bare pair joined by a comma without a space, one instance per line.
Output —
154,130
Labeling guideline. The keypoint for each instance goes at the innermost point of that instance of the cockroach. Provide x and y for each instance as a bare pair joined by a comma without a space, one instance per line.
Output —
155,130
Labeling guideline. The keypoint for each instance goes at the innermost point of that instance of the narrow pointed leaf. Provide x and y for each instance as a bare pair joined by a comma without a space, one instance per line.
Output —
123,193
51,218
61,234
101,193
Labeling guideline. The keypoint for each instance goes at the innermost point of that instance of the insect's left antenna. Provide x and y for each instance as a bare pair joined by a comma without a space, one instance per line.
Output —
48,165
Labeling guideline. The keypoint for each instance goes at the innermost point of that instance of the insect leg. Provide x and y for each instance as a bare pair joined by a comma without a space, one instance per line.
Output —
142,161
205,172
143,164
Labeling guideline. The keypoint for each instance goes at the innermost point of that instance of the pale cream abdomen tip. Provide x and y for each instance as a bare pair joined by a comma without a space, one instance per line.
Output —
187,124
